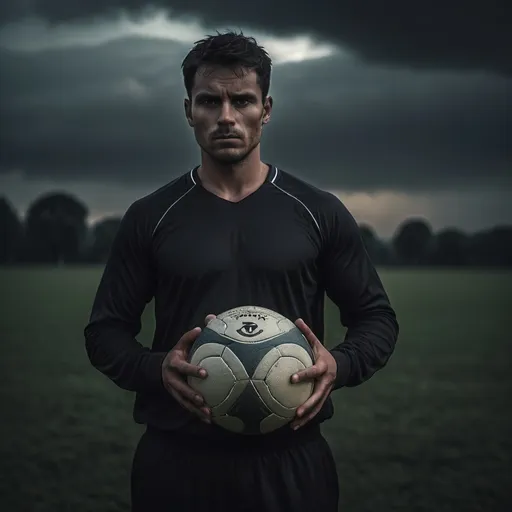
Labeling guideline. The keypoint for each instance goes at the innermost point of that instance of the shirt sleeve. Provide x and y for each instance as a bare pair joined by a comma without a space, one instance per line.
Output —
126,286
352,283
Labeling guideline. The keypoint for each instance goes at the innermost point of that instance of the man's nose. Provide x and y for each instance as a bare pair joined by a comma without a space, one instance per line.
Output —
227,115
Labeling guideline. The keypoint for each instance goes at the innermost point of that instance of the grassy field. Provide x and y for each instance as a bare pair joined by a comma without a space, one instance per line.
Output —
431,432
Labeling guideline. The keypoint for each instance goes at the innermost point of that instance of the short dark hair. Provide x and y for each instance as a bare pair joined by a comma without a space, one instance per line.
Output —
230,50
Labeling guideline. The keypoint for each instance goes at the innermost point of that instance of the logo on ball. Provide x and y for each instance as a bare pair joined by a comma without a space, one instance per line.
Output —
248,330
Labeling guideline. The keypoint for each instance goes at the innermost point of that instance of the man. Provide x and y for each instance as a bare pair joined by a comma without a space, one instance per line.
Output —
233,231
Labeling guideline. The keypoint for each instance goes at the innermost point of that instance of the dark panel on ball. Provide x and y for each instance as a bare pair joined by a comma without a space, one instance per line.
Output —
208,336
294,336
250,409
252,354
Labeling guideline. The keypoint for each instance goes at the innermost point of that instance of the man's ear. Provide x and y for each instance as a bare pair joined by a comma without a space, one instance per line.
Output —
267,109
187,104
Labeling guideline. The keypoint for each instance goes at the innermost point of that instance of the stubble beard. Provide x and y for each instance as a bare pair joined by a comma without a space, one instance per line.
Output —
230,158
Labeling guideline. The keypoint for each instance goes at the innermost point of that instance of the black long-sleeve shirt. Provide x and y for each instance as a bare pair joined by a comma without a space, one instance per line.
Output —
282,247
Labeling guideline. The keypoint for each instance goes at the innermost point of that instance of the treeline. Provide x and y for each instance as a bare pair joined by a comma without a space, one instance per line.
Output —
55,231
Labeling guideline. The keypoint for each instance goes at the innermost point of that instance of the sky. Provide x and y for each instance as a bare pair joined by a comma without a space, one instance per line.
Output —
400,112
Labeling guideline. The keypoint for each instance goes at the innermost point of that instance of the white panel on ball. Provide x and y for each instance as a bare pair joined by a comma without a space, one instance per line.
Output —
217,390
282,390
272,404
295,351
229,371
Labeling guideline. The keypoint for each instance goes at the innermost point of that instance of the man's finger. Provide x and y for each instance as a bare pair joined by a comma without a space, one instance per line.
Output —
312,401
189,370
298,423
313,372
209,318
191,407
308,333
186,391
202,411
188,338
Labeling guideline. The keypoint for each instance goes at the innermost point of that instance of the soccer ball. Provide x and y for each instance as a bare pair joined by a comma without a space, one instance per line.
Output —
250,353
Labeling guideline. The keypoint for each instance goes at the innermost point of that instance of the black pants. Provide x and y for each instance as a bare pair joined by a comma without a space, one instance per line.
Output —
173,473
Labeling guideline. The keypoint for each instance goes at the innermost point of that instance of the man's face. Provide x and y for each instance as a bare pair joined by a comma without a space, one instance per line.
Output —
227,112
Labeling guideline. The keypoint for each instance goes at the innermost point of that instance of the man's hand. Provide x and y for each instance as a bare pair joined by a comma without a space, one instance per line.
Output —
323,371
176,369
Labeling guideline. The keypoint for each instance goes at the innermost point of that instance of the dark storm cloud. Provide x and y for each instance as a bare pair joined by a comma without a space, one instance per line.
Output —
455,34
114,112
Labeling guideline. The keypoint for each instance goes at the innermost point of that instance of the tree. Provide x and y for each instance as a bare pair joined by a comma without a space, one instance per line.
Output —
56,229
103,234
11,233
412,242
491,248
376,249
451,248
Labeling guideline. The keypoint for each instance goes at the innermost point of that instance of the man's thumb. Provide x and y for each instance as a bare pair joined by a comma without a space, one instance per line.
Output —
189,337
209,318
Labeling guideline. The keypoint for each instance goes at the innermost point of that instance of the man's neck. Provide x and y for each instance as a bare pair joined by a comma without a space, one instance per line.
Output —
232,182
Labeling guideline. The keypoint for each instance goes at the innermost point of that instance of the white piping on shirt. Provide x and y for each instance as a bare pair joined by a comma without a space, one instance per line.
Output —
275,176
192,177
175,202
299,201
